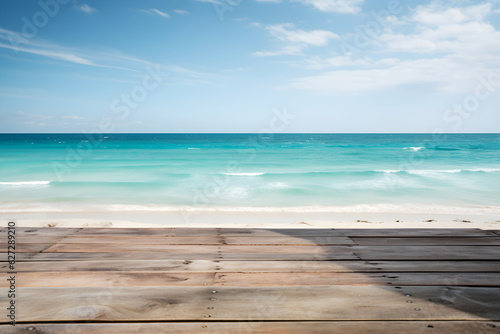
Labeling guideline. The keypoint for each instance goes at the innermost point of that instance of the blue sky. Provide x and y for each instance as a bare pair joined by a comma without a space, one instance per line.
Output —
232,65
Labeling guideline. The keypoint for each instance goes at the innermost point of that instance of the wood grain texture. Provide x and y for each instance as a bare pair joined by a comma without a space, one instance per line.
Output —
31,248
435,241
115,265
165,240
364,252
364,232
22,257
268,303
427,252
412,232
257,327
123,264
366,279
226,280
149,278
408,232
359,266
109,279
133,248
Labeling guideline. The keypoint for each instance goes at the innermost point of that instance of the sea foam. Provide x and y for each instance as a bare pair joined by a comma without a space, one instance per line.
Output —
26,183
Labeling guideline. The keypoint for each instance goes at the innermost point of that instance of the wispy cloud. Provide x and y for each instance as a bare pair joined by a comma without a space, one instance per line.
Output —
154,11
319,63
288,50
181,11
294,41
30,116
287,33
86,8
41,120
334,6
331,6
211,1
73,117
111,59
58,52
447,48
51,54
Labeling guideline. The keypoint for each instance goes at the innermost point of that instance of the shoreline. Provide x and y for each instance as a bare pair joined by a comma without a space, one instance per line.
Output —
348,220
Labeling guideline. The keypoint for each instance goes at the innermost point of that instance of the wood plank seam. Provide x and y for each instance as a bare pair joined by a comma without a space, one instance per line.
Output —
449,299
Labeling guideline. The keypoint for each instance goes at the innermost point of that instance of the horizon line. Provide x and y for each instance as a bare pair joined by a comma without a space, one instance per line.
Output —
239,133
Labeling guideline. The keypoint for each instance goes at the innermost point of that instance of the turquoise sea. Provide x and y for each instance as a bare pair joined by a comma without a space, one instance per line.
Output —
234,172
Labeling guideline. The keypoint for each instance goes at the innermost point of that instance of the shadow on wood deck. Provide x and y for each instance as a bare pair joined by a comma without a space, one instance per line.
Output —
221,280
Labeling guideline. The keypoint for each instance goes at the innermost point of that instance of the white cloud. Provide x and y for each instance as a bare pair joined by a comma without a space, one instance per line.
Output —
288,50
41,124
51,54
331,6
445,74
295,40
217,2
34,117
73,117
436,14
154,11
443,38
181,11
57,52
334,6
448,49
103,59
86,8
285,32
317,63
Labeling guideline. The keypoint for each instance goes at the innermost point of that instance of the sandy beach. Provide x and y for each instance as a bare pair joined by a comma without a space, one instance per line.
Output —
255,220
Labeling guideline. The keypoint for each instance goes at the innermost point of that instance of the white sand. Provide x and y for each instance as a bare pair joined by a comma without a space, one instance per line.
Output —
259,220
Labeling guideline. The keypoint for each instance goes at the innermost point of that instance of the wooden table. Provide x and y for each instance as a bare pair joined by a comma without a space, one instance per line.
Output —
234,280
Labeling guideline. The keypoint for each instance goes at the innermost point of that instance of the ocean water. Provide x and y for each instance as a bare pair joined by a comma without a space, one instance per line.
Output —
250,172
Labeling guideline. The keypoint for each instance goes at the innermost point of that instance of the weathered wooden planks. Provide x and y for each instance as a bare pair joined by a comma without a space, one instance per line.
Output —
427,252
114,265
213,240
153,278
415,232
44,231
124,264
363,252
365,279
359,266
344,278
440,241
22,257
127,248
412,232
196,231
110,279
256,326
264,240
30,248
266,303
132,248
128,239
